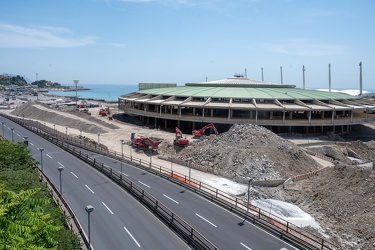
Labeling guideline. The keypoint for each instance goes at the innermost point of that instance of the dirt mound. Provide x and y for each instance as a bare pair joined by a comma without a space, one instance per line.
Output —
28,110
342,198
250,151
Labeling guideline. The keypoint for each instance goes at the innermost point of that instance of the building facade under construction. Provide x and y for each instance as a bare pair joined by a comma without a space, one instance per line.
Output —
238,100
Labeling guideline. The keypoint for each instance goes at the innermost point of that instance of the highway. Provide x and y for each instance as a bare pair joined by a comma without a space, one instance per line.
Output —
83,185
118,221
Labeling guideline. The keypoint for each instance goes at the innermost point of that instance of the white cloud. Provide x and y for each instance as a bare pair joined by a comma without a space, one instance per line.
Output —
118,45
14,36
301,47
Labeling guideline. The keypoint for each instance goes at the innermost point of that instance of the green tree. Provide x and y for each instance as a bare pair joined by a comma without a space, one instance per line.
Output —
23,222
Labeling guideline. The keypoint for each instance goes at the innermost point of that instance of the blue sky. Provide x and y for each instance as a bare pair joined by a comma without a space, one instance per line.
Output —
179,41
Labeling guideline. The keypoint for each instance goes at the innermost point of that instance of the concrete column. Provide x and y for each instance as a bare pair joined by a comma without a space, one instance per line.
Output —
212,112
290,115
322,114
309,116
351,115
271,115
256,115
194,111
203,113
283,116
229,114
179,112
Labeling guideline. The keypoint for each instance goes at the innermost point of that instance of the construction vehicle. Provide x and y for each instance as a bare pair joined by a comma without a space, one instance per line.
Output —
104,111
145,143
180,140
201,132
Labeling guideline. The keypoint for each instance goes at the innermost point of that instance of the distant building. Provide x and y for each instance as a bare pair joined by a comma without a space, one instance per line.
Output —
281,108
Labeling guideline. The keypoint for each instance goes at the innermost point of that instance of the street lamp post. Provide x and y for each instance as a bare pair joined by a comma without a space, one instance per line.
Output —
54,129
2,123
248,195
150,148
76,82
41,158
60,170
12,134
89,209
122,152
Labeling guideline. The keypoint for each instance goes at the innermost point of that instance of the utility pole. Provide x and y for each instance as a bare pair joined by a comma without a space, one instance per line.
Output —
303,71
281,74
360,78
262,75
329,77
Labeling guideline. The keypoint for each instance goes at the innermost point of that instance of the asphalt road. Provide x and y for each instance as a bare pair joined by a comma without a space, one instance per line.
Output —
118,221
83,185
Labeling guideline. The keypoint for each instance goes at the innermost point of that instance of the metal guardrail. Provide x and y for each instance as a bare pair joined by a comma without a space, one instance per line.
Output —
271,223
182,228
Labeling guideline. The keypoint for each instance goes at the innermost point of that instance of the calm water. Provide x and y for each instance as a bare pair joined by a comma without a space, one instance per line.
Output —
109,92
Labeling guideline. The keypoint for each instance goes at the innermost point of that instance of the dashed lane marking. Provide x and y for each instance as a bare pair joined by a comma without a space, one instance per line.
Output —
144,184
90,190
107,208
136,242
74,175
245,246
61,164
205,220
170,198
49,156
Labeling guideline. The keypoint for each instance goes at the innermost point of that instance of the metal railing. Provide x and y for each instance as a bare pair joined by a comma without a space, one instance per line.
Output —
278,226
182,228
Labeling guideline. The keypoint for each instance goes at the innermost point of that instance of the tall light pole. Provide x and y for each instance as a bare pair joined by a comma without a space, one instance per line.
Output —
2,123
262,75
360,78
41,158
122,152
54,129
60,170
329,77
248,195
12,134
150,148
76,82
303,75
89,209
281,74
98,139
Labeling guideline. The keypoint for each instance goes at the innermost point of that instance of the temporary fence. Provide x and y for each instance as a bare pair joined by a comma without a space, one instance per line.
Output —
278,226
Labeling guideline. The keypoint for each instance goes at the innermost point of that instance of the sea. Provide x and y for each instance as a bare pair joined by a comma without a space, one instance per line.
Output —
108,92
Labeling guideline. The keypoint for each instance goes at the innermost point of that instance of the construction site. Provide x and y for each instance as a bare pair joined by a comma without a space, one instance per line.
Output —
338,190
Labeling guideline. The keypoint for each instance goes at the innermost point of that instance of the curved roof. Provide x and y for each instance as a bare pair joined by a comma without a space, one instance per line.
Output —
245,92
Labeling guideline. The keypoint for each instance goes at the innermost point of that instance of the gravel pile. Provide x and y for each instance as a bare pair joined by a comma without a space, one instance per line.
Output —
250,151
29,111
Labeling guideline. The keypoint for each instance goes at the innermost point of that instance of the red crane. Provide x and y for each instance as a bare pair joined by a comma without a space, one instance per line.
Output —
180,141
200,132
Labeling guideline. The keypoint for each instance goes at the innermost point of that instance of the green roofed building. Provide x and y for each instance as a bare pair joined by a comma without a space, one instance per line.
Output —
237,100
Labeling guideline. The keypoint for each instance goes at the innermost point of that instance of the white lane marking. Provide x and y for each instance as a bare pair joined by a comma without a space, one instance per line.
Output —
49,156
123,173
170,198
61,164
136,242
18,134
74,175
144,184
107,208
90,190
205,220
31,144
245,246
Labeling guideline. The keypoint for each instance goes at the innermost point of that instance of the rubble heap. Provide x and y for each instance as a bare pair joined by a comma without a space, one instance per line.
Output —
249,150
